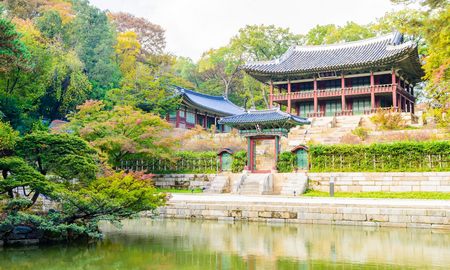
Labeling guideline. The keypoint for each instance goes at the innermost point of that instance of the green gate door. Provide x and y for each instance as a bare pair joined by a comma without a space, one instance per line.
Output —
226,161
302,159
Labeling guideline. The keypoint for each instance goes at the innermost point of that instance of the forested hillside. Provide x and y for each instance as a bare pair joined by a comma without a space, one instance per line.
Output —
56,54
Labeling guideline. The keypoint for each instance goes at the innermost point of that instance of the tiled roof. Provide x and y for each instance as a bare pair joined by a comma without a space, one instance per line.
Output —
214,104
263,117
379,51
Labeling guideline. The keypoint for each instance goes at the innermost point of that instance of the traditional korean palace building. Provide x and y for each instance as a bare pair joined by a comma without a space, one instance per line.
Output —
343,79
201,109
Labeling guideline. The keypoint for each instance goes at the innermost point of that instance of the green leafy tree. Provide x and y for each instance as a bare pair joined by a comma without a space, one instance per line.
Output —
14,55
122,131
94,38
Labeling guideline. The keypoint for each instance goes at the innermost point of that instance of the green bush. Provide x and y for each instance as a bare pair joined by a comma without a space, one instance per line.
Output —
382,157
286,162
388,119
361,133
239,161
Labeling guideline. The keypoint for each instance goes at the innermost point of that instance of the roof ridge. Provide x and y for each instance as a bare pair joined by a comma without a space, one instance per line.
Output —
201,94
339,45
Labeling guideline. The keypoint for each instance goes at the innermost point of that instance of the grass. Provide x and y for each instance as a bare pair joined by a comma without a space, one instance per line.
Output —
382,195
174,190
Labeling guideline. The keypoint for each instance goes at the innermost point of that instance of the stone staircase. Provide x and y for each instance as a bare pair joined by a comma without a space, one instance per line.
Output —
324,130
256,184
295,184
220,184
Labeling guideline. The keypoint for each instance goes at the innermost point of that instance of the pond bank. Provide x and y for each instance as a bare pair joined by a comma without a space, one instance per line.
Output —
431,214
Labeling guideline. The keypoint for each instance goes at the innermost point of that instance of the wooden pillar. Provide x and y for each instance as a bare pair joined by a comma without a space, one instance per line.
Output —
394,90
177,122
271,95
288,110
400,101
372,90
343,105
315,95
205,121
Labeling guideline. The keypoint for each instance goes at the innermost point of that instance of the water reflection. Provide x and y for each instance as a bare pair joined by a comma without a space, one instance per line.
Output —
180,244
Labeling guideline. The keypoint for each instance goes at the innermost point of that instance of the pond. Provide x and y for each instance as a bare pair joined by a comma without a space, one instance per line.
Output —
183,244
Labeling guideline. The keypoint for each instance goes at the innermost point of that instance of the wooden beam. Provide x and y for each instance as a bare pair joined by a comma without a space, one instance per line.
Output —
288,110
271,95
315,95
343,106
372,90
394,89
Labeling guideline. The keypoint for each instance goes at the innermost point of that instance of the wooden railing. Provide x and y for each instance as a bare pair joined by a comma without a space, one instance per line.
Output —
344,113
336,92
315,114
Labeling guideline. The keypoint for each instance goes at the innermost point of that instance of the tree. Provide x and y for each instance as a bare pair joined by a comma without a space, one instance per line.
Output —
65,156
222,64
14,55
40,164
127,49
150,36
122,131
94,39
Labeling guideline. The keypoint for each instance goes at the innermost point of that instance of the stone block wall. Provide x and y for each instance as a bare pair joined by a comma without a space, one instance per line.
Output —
186,181
356,212
382,181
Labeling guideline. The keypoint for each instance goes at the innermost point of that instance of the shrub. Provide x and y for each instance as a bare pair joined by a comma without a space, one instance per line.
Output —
399,156
286,162
239,161
388,119
361,132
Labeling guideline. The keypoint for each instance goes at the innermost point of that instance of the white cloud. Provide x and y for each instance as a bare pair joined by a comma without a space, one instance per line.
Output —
195,26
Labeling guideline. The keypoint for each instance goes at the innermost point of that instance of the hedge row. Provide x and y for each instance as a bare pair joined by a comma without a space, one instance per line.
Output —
381,157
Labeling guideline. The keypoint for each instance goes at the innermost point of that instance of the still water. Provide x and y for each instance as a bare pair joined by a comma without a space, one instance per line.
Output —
182,244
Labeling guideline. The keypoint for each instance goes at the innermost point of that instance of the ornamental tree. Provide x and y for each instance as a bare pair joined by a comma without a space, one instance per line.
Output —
122,131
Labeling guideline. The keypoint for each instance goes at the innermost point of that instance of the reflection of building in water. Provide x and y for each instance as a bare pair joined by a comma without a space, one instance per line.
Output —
269,246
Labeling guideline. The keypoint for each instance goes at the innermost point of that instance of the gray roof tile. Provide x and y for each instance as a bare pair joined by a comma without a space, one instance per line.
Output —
215,104
364,53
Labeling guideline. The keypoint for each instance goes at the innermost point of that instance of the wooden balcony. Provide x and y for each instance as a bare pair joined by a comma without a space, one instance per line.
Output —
338,92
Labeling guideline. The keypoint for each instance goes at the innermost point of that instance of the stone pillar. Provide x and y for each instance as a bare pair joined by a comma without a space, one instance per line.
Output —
249,154
277,153
343,105
372,90
315,96
288,110
271,95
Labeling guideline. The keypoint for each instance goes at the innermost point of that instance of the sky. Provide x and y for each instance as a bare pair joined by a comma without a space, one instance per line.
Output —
195,26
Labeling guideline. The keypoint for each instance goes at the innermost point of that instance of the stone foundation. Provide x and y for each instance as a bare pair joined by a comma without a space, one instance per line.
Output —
183,181
358,212
382,181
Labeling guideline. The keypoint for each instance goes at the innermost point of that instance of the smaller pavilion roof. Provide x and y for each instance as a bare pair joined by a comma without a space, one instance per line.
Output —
214,104
264,118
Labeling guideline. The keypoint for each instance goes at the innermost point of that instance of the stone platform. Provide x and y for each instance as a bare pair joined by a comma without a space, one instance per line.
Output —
431,214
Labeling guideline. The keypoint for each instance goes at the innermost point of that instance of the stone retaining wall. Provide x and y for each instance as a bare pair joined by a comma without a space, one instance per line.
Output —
382,181
393,213
183,180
